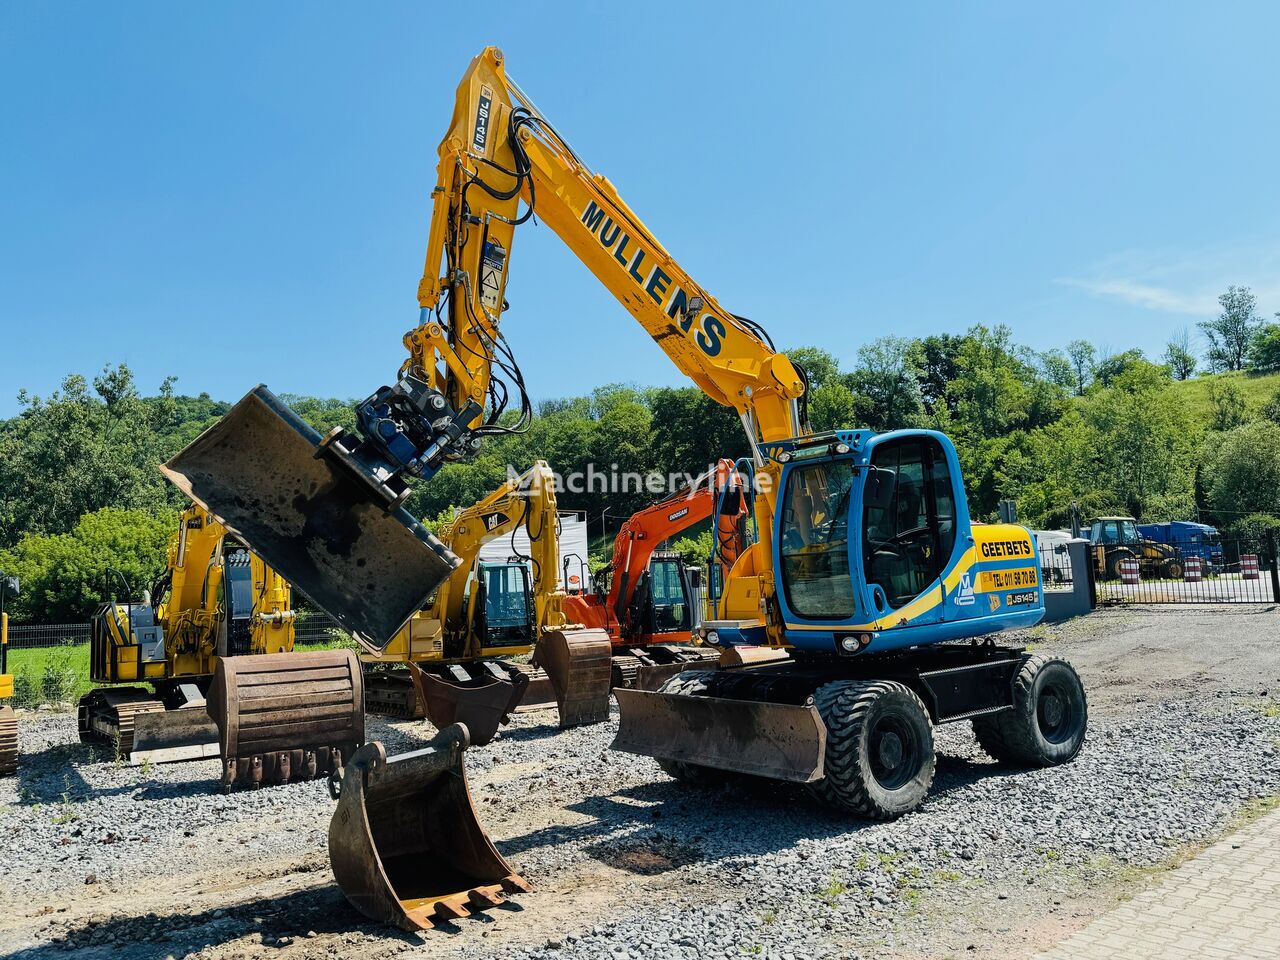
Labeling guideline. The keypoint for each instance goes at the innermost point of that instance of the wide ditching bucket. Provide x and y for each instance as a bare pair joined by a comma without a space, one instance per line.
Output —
314,515
287,716
483,696
580,665
781,741
405,844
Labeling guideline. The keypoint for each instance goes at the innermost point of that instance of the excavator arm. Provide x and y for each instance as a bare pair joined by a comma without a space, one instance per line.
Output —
333,532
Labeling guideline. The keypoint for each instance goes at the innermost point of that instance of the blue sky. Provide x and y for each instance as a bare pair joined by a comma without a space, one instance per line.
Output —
240,193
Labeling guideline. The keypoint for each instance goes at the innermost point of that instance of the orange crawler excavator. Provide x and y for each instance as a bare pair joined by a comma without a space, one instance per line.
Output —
649,601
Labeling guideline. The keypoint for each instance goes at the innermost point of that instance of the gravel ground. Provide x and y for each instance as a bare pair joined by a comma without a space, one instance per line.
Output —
109,860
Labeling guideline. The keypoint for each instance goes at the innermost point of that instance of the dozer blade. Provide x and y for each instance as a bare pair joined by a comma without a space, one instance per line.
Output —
167,736
776,740
313,517
286,716
579,663
483,701
405,844
751,656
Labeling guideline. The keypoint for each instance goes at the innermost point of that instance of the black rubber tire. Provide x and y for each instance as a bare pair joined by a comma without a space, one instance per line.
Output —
1172,570
864,772
1038,732
691,683
1113,563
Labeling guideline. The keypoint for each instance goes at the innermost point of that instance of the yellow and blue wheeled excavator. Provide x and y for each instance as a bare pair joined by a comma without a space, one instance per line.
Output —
204,667
868,570
451,661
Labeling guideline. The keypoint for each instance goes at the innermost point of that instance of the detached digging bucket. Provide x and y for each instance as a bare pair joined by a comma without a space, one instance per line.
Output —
405,844
482,697
286,716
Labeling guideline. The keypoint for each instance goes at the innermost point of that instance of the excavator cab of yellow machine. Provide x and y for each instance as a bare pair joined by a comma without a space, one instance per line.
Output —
405,844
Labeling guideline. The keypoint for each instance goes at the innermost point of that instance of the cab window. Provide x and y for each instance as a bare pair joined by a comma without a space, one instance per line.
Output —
909,536
814,540
670,611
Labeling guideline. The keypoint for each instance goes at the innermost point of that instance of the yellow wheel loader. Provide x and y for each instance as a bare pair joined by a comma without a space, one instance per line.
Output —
204,667
449,662
867,570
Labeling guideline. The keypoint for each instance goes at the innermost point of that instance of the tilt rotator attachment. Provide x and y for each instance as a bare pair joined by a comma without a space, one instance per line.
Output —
327,513
405,844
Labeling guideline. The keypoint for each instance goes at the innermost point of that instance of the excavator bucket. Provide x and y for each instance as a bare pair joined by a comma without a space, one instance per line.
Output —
8,741
315,516
287,716
482,696
777,740
405,844
579,663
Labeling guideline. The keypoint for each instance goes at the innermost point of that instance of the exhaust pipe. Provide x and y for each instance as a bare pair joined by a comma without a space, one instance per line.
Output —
405,844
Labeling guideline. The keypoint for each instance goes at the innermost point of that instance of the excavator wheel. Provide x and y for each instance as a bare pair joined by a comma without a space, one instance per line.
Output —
879,759
481,695
8,741
1048,721
579,663
286,716
405,844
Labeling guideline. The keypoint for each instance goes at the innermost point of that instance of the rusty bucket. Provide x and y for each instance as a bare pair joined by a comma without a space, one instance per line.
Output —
286,716
481,695
580,664
405,844
316,517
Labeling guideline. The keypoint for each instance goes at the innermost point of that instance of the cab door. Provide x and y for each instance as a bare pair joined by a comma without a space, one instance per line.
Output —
909,533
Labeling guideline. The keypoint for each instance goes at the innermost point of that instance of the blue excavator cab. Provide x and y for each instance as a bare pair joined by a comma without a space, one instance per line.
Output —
875,549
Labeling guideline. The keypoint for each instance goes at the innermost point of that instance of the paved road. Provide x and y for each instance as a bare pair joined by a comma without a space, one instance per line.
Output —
1223,903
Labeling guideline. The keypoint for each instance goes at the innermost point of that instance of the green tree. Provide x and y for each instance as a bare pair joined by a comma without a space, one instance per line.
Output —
1264,354
1227,403
1110,367
81,450
1178,356
66,575
1056,367
1083,355
936,359
1232,332
885,382
1271,409
1242,468
832,406
820,366
1144,449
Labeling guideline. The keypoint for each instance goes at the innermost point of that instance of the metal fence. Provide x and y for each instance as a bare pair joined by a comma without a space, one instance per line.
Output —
1056,572
1188,571
310,627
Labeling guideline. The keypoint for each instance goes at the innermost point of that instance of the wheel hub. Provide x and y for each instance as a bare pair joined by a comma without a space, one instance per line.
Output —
1052,709
891,750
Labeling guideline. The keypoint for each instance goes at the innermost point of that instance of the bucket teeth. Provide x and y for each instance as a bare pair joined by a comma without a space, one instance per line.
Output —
514,883
482,897
453,908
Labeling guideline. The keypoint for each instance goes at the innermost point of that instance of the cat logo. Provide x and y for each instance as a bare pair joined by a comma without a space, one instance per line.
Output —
964,593
492,521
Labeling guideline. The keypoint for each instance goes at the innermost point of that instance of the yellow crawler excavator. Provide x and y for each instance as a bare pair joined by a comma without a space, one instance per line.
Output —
212,642
448,661
867,570
8,719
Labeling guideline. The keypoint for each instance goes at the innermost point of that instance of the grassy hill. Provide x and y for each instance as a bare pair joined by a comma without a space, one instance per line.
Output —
1257,390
